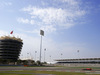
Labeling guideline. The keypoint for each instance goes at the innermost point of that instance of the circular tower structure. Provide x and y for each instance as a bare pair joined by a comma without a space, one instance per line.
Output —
10,48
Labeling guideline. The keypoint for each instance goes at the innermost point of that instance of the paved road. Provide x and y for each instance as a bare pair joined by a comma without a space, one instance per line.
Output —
46,69
30,68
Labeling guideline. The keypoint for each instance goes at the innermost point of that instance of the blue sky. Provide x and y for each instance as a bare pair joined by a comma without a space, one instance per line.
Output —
69,25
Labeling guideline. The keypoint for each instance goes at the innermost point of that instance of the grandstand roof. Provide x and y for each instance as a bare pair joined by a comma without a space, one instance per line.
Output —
78,59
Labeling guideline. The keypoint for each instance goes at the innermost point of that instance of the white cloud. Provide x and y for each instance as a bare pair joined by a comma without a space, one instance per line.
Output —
3,4
22,20
34,31
25,21
53,17
71,2
49,28
7,3
32,22
48,15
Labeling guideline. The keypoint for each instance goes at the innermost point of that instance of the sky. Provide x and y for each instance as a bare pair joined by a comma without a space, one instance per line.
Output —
71,27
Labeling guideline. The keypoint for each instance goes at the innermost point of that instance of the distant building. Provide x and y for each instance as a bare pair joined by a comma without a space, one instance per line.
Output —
10,48
84,60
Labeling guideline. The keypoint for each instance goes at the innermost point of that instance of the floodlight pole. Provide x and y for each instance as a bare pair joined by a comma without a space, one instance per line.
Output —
44,54
50,59
40,47
42,34
35,55
78,53
61,55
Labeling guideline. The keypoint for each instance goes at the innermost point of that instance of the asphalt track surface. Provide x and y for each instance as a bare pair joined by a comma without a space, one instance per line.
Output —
39,68
62,69
30,68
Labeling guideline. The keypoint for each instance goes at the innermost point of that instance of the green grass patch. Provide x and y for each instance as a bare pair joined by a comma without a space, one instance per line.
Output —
12,74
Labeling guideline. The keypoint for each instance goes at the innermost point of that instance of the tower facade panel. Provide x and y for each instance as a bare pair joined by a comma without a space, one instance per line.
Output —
10,48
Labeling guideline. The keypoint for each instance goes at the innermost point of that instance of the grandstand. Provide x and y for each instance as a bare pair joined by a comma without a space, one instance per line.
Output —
83,60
